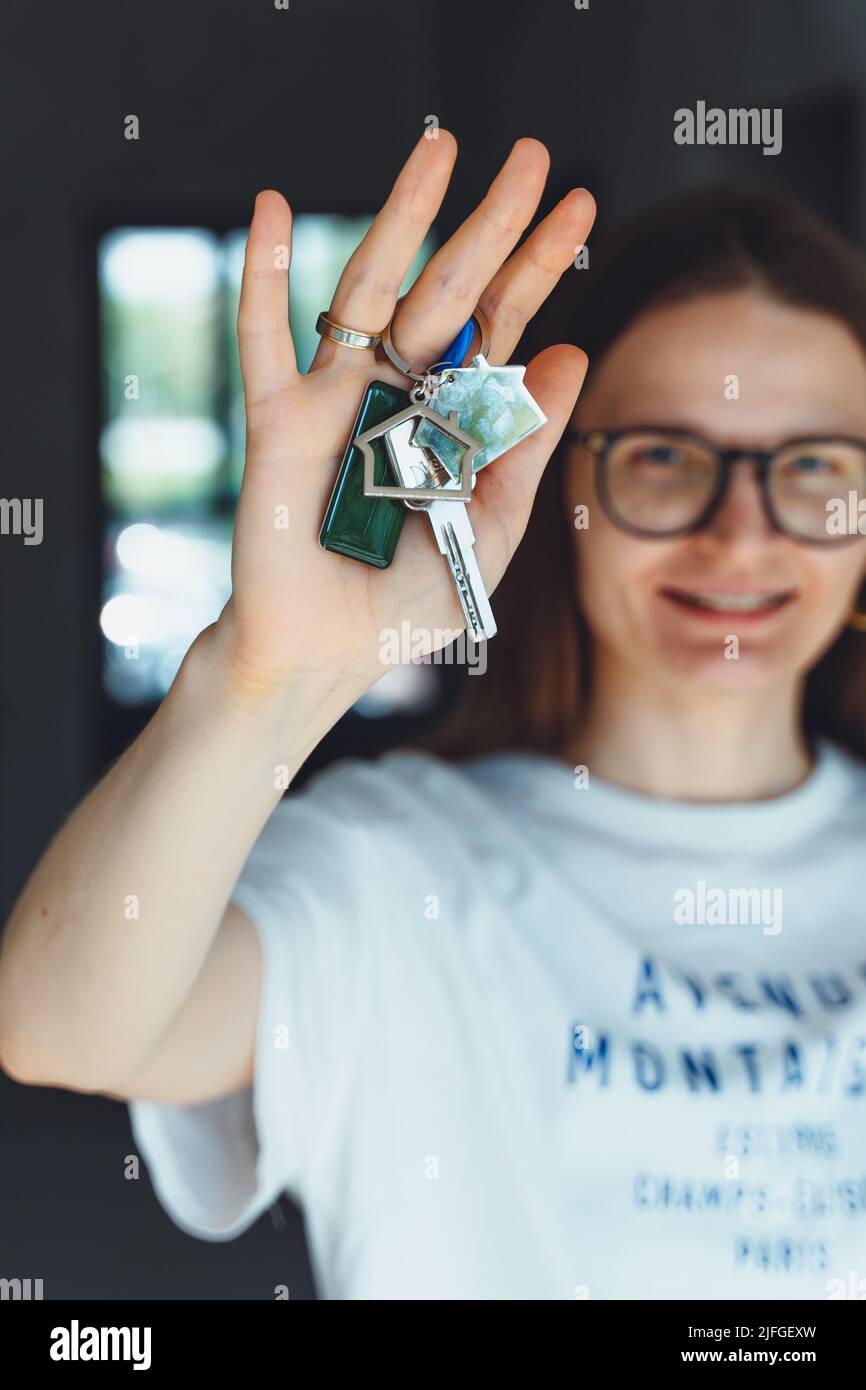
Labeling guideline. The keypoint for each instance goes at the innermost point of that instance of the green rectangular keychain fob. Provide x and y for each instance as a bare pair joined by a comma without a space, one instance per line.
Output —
366,528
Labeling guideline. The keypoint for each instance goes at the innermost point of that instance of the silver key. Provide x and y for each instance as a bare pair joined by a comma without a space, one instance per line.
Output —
451,527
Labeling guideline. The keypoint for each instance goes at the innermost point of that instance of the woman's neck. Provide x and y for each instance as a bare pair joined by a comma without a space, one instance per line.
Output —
671,741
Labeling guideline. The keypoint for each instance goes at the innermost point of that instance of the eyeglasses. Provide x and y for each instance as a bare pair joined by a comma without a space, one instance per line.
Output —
667,482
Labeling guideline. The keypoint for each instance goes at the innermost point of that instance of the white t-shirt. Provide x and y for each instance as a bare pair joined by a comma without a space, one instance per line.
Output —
523,1038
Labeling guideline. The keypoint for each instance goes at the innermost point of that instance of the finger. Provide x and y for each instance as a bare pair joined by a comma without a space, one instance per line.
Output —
505,490
449,287
371,282
517,291
267,354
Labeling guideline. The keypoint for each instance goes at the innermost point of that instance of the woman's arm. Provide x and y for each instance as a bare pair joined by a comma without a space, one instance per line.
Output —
120,950
115,968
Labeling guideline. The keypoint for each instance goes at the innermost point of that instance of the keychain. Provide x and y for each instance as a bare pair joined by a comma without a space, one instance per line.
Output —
420,450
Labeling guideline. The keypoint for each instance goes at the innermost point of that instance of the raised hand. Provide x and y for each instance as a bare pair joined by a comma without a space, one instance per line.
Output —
298,612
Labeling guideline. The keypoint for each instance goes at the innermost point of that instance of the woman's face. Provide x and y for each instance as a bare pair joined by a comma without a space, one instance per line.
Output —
797,373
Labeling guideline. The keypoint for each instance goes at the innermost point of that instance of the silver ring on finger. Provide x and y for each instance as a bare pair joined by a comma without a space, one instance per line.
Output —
346,337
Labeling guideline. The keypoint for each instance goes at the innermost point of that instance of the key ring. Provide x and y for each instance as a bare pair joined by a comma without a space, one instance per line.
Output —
420,378
428,383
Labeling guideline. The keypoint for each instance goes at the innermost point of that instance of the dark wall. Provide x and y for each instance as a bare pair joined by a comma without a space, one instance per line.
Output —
322,101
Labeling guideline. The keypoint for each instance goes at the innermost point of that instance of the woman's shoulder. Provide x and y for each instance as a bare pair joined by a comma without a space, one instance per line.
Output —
359,821
407,778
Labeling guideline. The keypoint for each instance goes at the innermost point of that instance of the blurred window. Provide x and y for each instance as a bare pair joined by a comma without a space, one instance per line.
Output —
172,440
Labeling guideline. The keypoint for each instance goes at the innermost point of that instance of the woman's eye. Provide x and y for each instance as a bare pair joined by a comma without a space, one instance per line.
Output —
810,463
659,453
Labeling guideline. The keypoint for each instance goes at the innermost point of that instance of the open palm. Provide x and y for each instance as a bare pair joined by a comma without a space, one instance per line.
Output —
297,610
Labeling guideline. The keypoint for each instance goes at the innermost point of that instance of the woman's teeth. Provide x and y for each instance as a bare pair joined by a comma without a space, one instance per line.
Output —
729,603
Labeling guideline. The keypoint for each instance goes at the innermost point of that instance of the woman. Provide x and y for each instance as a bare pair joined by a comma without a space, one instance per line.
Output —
581,1015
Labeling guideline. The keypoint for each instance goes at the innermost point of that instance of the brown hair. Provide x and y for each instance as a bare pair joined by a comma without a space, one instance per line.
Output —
717,238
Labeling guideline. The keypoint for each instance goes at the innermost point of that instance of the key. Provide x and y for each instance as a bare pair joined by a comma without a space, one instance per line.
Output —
456,540
452,528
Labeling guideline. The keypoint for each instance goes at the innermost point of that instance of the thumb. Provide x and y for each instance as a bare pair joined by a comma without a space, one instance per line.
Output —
507,486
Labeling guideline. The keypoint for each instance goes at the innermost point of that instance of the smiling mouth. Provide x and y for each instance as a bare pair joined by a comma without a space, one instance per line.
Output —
756,602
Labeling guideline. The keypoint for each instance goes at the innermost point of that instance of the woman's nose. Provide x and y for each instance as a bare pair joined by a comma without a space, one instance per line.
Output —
742,514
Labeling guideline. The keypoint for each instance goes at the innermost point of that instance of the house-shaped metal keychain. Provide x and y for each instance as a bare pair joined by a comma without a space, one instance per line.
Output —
443,438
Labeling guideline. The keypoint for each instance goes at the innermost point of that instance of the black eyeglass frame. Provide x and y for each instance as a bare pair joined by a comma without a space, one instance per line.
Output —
598,442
